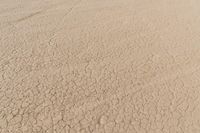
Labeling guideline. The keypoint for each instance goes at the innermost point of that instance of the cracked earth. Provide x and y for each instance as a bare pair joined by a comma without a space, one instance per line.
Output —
99,66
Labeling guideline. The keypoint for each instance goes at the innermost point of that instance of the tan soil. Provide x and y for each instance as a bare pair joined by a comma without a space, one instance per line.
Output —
99,66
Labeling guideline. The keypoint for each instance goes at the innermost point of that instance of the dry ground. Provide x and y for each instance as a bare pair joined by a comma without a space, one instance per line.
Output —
99,66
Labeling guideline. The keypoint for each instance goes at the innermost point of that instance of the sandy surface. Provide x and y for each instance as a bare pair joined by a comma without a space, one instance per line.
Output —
99,66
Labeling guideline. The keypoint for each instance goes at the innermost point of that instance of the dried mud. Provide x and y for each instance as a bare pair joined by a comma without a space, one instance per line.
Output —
99,66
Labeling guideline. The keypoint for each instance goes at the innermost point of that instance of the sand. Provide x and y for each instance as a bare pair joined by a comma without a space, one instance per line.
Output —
99,66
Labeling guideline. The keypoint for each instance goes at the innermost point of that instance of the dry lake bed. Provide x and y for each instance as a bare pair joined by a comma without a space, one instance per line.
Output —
99,66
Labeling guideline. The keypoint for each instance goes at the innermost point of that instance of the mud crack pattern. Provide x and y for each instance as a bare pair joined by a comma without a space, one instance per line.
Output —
99,66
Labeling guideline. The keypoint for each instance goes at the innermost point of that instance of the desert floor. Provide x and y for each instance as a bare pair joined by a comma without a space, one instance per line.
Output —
99,66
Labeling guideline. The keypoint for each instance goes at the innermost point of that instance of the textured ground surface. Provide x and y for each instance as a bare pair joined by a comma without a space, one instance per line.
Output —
99,66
